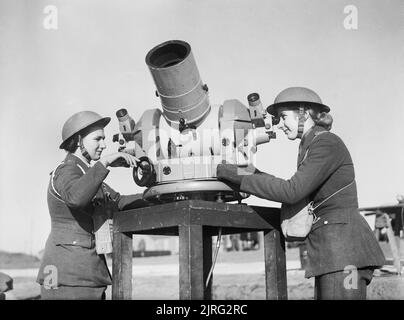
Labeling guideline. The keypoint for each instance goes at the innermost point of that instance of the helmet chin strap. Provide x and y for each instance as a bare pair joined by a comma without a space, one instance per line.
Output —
301,122
83,150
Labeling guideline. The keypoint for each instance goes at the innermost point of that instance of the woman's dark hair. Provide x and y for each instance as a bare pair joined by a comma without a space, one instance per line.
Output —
323,119
72,144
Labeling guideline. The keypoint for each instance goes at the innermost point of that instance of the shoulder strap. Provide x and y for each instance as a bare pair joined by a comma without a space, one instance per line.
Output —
333,195
305,155
81,168
59,197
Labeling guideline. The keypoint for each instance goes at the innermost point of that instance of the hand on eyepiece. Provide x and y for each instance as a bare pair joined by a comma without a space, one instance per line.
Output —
119,159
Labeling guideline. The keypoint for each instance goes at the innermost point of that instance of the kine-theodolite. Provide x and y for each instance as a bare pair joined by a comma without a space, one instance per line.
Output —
180,145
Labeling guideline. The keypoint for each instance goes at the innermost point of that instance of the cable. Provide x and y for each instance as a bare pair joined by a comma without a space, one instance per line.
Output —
214,257
402,222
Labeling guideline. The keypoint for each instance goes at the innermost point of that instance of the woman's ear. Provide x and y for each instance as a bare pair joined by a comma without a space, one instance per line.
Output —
79,140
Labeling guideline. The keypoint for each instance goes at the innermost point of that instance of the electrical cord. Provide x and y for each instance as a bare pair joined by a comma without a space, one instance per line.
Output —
214,257
402,220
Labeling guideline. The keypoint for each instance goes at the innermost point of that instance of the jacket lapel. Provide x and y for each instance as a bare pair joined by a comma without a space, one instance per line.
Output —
306,141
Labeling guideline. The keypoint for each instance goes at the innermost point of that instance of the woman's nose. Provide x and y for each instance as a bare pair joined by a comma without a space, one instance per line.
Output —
102,144
280,125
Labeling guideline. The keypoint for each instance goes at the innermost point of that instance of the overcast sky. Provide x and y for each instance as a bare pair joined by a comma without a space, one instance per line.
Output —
94,60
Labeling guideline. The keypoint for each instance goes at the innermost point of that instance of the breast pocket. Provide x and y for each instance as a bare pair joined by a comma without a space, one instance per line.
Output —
75,239
332,218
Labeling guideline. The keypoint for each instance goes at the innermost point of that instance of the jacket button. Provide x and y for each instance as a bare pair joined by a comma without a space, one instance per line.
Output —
325,222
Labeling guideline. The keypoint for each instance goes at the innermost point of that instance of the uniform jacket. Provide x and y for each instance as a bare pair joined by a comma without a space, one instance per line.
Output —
77,191
341,237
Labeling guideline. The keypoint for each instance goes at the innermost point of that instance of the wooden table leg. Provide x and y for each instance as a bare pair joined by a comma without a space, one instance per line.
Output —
275,265
122,266
207,264
195,258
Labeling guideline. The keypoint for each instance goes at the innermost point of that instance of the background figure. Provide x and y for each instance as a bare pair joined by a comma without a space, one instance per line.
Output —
6,284
249,240
232,242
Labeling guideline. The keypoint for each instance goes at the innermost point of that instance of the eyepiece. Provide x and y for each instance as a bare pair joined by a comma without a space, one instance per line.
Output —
121,113
253,99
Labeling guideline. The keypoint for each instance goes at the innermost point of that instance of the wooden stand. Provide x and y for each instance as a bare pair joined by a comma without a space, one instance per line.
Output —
195,222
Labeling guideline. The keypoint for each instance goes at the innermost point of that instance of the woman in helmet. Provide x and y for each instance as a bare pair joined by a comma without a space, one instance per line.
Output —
71,267
342,250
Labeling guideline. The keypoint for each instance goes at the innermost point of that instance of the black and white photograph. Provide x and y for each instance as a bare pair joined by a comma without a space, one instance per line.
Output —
208,150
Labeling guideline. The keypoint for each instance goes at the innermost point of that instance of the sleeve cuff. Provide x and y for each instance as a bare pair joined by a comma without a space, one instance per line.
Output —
99,167
244,185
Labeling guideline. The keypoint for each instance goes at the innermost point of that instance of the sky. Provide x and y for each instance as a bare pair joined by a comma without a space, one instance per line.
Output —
95,60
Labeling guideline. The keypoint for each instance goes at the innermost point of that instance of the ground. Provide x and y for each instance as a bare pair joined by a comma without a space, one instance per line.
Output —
237,275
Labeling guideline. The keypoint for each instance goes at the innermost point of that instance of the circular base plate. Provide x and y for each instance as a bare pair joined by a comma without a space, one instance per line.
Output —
196,189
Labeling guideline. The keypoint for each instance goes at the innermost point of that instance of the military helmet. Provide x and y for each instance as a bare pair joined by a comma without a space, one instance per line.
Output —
80,121
293,95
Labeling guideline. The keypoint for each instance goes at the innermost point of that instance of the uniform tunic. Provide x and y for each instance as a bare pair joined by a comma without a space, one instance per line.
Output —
341,237
70,248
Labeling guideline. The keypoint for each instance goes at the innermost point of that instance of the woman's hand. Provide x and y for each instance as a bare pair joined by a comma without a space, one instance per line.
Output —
234,173
119,159
229,172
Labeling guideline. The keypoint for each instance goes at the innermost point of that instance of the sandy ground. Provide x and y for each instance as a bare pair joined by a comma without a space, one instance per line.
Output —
237,275
225,287
246,287
156,278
